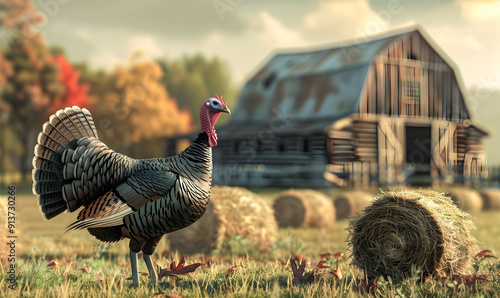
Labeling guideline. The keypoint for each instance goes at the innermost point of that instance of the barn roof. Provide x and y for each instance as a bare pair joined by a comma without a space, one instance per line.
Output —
309,90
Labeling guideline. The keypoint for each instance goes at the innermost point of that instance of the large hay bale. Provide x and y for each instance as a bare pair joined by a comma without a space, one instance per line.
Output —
350,203
304,208
466,199
419,227
232,211
491,199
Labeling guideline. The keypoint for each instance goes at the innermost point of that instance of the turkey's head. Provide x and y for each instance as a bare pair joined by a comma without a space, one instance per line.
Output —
209,113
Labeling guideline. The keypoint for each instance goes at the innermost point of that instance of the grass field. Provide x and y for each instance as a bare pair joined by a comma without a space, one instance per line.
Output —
86,267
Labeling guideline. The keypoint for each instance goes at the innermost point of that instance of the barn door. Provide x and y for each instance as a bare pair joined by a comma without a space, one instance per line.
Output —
418,145
443,150
418,154
390,151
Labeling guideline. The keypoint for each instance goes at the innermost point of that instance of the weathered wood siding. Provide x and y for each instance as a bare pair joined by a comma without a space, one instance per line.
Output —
372,150
281,160
411,79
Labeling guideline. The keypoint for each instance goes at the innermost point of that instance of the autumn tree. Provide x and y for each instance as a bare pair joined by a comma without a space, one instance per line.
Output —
138,108
191,79
29,89
75,93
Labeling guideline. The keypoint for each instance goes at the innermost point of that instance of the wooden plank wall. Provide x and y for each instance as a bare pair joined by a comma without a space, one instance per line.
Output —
391,149
371,150
412,59
353,153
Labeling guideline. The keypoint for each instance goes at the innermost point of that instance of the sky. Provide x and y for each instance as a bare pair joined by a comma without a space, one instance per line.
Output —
247,32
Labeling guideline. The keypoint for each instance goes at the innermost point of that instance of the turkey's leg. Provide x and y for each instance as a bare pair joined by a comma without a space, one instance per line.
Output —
153,277
135,271
148,250
135,247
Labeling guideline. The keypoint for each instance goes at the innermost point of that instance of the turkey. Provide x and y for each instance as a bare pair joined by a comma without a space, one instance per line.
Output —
122,197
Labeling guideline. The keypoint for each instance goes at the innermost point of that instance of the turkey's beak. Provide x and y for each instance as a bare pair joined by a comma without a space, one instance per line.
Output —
225,110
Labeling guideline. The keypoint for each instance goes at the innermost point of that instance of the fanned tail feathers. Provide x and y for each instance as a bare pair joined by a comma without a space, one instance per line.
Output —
61,132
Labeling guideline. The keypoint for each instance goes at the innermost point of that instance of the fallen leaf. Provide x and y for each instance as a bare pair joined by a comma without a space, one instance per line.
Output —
320,265
231,271
483,254
298,273
338,255
52,264
338,272
367,288
324,256
180,269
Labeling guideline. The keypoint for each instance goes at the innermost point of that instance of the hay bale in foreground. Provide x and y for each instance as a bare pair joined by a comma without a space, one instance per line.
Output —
349,203
404,228
491,199
304,208
466,199
232,211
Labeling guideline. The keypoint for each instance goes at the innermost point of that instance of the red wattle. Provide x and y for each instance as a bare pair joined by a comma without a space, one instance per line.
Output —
212,139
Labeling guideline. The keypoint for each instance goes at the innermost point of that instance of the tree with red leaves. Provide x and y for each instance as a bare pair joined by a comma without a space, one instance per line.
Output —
75,94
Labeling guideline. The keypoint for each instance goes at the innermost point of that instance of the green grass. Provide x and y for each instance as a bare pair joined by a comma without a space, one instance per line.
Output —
259,274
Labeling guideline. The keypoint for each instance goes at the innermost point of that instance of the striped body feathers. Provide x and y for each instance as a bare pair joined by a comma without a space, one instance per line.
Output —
120,196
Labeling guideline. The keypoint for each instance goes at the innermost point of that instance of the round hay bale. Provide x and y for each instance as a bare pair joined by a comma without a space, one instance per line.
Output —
350,203
401,229
491,199
232,211
466,199
304,208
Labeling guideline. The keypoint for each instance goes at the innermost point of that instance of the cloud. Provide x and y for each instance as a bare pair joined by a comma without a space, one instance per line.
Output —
269,31
337,20
247,51
180,19
145,43
474,48
480,10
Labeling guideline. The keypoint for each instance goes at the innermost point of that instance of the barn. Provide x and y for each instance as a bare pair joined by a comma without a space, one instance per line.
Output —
386,111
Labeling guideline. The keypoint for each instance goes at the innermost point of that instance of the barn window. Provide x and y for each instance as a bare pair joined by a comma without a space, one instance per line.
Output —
411,98
269,80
